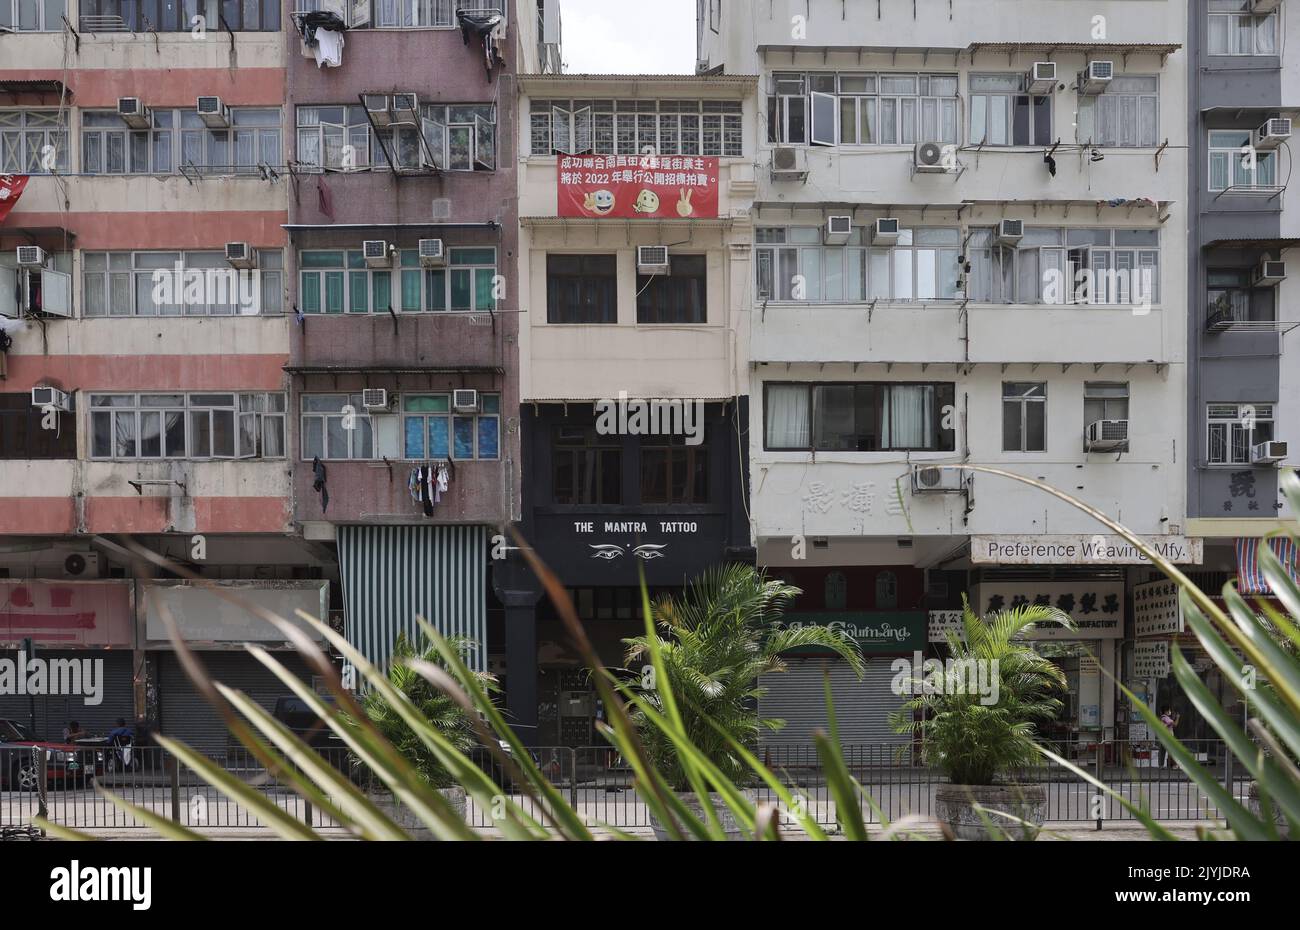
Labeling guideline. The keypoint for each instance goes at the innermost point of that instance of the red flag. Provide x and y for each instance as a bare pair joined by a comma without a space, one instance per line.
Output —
325,201
11,188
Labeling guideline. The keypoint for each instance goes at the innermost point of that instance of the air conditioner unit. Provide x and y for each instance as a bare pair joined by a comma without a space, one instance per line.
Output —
80,565
1010,232
51,397
789,164
885,231
937,479
464,400
1041,79
838,229
1265,6
377,108
213,112
240,255
406,108
132,113
1270,273
934,158
652,259
1266,453
1094,79
432,254
31,256
374,398
375,252
1272,134
1106,436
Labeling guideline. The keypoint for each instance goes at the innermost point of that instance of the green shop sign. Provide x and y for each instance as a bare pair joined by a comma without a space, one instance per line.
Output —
879,632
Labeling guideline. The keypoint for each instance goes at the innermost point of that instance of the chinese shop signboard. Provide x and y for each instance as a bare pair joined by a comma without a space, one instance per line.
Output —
1156,611
1097,607
876,632
1151,659
651,187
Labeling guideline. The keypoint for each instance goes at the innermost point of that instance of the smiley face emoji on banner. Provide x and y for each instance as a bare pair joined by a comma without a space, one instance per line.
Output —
599,202
646,202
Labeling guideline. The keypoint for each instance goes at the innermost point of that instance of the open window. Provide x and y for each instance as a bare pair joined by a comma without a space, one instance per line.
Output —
1079,269
485,145
9,294
434,131
42,291
825,109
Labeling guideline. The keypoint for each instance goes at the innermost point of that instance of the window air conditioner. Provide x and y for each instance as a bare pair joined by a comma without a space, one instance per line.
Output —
31,256
132,113
1270,273
432,254
1266,453
1010,232
374,398
1095,78
1272,134
51,397
1041,78
1106,436
213,112
838,229
464,400
376,255
885,231
240,255
652,259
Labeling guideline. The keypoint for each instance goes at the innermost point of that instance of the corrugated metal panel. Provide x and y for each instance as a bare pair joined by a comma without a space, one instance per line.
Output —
390,574
862,708
185,715
53,712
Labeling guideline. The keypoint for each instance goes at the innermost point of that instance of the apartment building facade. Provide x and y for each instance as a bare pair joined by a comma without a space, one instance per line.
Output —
968,248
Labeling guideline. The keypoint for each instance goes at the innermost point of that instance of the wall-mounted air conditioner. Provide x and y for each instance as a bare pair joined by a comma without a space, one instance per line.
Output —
1272,134
1010,232
1096,77
1106,436
1270,273
464,400
377,108
133,112
51,397
934,158
789,164
240,255
31,256
937,479
885,231
838,229
652,259
432,254
1266,453
376,254
1041,78
374,398
213,112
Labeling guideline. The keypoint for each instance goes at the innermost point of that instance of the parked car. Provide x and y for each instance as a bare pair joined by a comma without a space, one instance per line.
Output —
69,764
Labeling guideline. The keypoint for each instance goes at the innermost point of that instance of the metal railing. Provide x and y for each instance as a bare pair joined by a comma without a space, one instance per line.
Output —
599,785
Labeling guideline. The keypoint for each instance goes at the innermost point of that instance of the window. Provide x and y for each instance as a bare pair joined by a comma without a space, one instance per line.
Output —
196,426
1024,416
862,109
581,289
180,141
171,16
23,434
678,297
431,430
180,284
457,137
586,466
1059,266
636,127
46,290
32,142
793,264
337,427
1232,429
1235,163
1231,296
673,472
1234,30
1126,115
1002,113
1104,400
859,417
337,281
32,15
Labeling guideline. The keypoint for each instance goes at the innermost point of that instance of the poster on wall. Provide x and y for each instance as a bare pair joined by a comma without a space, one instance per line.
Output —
652,187
1151,660
943,621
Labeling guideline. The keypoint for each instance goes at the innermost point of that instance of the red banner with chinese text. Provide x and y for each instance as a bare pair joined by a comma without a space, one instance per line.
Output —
11,188
664,187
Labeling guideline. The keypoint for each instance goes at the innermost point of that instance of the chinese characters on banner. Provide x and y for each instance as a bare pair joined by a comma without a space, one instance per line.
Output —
1156,611
1151,659
1097,607
11,188
664,187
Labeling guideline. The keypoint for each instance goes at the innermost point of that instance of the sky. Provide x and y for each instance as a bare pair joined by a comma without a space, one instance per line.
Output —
628,36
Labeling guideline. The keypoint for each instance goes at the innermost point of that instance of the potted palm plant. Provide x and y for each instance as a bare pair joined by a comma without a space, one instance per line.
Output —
980,739
715,642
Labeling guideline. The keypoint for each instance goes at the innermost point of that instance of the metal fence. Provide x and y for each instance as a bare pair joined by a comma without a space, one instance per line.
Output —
596,782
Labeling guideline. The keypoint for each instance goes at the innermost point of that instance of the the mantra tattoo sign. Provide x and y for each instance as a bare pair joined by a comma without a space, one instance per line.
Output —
663,187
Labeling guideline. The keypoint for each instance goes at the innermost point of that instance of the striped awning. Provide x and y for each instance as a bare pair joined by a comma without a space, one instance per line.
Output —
1250,574
391,574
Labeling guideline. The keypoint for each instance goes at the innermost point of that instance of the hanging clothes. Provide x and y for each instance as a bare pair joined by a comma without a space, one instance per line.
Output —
441,482
318,470
328,49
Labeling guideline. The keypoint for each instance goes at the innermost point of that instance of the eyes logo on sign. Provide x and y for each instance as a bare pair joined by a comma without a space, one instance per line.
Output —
606,551
649,551
611,551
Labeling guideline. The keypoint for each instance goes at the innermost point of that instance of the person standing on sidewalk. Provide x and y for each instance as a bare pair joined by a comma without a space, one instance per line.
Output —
1170,721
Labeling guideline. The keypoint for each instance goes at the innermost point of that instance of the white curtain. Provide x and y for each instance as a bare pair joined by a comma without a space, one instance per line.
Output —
787,416
909,417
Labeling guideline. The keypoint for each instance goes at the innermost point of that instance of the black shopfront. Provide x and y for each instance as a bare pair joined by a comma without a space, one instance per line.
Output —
600,508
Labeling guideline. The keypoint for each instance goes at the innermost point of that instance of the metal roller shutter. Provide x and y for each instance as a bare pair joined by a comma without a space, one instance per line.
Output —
53,711
185,715
862,708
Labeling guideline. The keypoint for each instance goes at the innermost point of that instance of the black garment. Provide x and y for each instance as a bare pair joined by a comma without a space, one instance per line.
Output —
308,23
318,470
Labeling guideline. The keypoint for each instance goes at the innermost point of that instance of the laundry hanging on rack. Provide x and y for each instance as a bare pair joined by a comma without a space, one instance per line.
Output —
440,486
318,470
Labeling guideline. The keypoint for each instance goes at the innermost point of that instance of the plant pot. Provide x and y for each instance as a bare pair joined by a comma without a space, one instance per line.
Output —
405,818
730,828
1279,818
955,806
